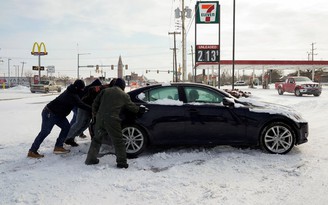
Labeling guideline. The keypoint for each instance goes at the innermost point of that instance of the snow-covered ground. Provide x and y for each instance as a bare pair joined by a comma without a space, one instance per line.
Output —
219,175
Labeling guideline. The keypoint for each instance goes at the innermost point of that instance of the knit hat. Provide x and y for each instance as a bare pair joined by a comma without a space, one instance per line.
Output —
120,83
79,84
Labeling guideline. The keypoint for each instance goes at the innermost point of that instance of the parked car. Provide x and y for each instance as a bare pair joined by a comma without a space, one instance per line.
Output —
299,86
45,86
197,114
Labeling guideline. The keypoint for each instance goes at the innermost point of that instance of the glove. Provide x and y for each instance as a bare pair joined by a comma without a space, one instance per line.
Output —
142,110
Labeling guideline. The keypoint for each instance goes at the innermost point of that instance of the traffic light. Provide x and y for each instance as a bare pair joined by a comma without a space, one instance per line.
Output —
157,71
112,67
168,71
146,71
97,68
126,67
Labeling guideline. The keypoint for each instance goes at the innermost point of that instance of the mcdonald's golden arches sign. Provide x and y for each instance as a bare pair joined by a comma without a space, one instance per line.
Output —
41,49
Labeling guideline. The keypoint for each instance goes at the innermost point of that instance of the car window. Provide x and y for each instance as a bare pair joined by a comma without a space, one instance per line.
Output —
160,93
200,95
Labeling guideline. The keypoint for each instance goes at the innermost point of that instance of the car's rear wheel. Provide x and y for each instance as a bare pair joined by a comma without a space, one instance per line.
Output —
277,138
280,91
298,92
135,140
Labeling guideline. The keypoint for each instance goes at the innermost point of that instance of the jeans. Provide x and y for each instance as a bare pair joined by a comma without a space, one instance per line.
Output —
82,122
48,121
73,120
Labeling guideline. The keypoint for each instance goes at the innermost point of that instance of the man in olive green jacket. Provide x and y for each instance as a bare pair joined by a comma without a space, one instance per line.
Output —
107,108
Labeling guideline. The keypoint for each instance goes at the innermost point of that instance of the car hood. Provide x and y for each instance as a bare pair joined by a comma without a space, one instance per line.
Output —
271,108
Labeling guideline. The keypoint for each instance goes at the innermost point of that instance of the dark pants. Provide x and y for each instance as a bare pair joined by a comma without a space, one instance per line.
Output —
48,121
103,128
82,122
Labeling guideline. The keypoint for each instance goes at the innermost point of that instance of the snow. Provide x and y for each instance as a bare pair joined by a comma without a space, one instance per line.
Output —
193,175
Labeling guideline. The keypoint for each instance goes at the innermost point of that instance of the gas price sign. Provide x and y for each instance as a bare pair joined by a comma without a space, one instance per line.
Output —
207,53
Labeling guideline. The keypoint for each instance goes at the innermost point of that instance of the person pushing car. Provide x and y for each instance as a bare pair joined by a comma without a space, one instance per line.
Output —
107,108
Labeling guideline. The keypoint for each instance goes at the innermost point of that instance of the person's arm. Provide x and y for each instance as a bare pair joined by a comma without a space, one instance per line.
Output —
96,103
80,104
129,105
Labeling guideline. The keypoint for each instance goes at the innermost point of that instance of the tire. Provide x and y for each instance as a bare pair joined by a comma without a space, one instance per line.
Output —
280,91
59,90
46,90
136,140
316,95
277,138
297,92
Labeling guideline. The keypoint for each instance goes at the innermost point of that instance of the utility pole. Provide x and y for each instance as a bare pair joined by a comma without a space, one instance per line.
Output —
175,66
193,65
22,67
312,51
233,44
312,58
184,69
184,13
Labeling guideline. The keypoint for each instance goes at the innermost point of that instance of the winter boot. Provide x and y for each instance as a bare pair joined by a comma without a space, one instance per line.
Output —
71,142
121,166
92,154
61,150
36,155
82,135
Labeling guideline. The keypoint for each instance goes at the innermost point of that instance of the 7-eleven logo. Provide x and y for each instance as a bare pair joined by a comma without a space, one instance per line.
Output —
208,12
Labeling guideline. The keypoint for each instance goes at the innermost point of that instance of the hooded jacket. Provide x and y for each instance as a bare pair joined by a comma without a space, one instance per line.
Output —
65,102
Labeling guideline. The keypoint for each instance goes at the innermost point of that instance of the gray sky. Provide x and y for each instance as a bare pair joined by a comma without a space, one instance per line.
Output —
138,31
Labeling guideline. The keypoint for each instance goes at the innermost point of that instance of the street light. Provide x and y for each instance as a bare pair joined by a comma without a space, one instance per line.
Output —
78,63
9,59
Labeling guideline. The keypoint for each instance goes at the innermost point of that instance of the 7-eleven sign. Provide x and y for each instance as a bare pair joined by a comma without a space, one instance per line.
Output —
207,12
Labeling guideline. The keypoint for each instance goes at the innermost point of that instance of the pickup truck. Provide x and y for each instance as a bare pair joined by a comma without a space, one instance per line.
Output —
45,86
299,85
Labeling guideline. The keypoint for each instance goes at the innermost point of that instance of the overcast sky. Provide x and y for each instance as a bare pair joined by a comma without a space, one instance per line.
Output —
138,31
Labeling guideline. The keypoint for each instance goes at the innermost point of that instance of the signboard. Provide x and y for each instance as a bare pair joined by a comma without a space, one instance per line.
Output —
51,69
40,49
207,12
37,67
207,53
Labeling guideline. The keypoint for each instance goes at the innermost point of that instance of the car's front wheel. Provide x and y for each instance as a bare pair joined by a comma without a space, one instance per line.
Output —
280,91
277,138
135,140
298,92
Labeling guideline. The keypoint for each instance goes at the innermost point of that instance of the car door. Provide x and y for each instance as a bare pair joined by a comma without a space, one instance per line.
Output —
209,121
165,118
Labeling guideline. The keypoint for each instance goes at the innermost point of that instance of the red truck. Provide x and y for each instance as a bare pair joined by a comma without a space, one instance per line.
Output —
298,85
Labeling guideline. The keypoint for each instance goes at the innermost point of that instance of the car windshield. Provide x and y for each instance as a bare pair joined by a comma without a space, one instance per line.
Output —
44,82
302,79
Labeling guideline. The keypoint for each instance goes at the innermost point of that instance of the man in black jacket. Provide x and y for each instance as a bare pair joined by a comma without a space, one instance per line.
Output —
55,113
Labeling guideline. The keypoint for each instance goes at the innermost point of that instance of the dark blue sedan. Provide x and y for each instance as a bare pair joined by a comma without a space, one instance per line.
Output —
197,114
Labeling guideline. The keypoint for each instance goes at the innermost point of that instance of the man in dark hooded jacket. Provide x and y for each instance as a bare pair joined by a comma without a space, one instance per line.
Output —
55,113
84,117
107,108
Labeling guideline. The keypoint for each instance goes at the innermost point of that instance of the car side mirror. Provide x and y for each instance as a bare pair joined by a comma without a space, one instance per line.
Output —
227,102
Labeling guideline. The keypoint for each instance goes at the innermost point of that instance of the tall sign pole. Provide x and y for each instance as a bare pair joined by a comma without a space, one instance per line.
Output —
41,51
207,12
